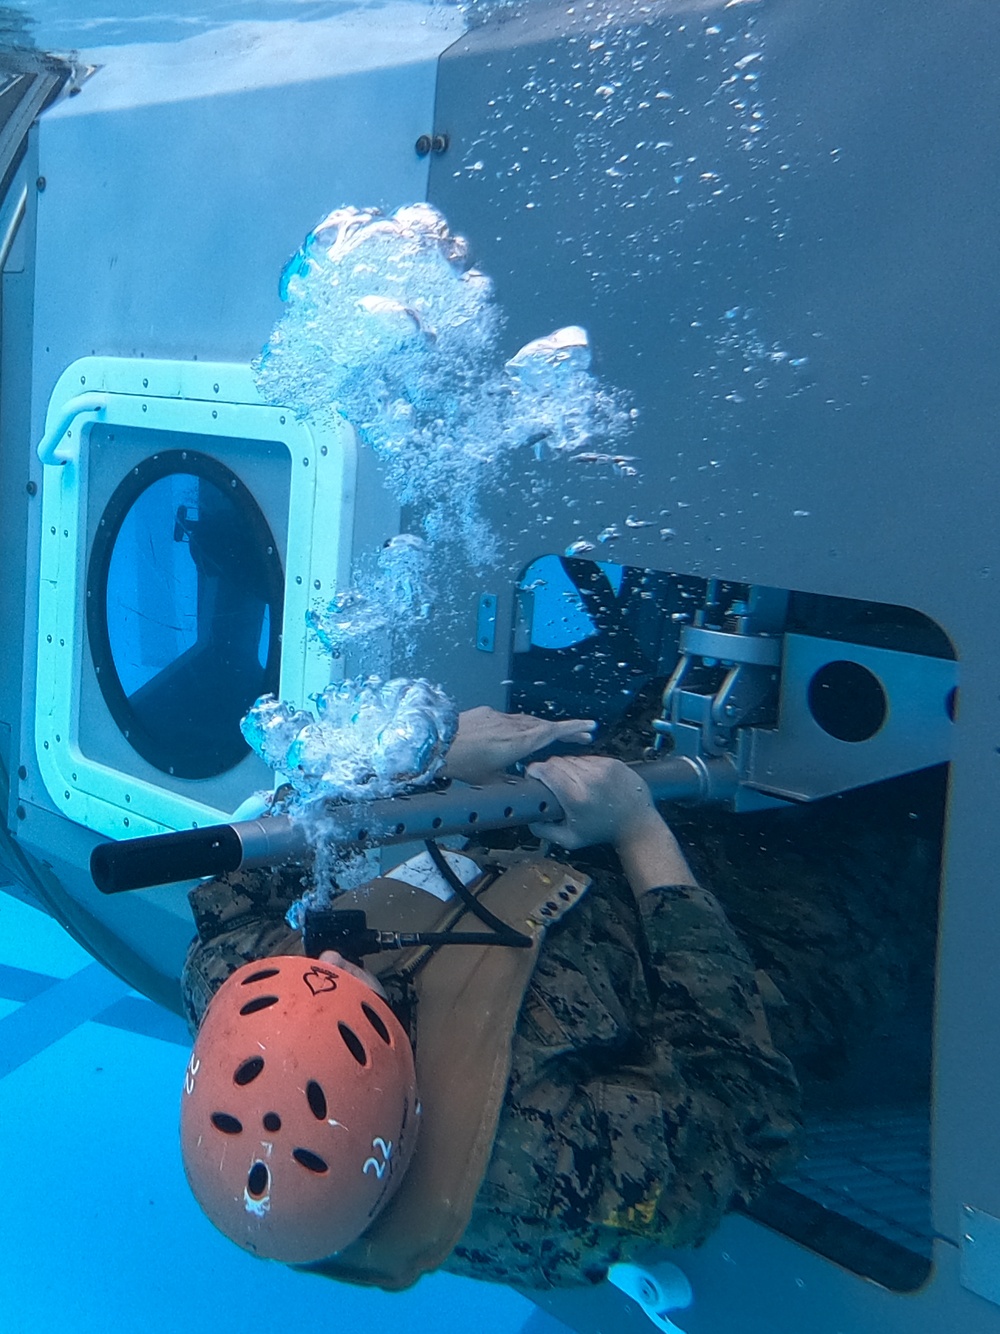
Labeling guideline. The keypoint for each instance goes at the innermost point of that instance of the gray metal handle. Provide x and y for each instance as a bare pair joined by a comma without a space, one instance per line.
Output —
271,840
83,405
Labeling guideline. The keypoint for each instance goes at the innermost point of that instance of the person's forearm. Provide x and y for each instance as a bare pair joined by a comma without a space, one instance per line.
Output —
651,856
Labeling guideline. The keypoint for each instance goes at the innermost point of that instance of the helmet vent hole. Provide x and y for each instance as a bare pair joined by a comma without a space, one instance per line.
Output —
257,1181
249,1071
353,1044
227,1124
375,1019
272,1122
317,1100
259,976
259,1003
310,1160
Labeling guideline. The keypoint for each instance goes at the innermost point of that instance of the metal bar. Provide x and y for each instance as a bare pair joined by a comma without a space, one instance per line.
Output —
165,858
10,232
83,405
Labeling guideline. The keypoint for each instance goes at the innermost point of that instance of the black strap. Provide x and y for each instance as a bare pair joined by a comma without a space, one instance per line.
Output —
508,933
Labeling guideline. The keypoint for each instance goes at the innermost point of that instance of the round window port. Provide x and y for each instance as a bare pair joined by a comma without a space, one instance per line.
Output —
848,701
184,603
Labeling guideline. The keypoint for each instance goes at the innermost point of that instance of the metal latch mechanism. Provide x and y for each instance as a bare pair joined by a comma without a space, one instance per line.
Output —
801,716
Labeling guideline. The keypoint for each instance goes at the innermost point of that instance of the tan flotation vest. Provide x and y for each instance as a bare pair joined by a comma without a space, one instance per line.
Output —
468,1001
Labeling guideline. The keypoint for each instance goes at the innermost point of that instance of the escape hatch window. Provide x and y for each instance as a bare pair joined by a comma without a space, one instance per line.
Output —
184,611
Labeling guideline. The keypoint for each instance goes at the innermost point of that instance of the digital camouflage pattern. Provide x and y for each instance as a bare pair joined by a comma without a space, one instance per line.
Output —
647,1095
645,1098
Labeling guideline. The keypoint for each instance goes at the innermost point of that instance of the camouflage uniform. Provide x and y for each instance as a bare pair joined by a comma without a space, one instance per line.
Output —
645,1098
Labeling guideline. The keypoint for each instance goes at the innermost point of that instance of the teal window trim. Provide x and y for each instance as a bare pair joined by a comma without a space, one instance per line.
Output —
204,399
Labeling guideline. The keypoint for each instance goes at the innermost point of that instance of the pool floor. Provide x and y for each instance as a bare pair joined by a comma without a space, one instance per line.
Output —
100,1230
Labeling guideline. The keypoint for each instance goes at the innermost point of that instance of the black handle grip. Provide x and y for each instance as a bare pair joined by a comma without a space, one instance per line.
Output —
162,859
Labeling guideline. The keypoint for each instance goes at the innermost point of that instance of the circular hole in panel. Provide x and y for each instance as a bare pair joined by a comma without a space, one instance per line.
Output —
847,701
184,608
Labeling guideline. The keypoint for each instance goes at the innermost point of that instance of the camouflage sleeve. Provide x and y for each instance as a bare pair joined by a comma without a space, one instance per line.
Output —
646,1097
238,917
731,1102
839,912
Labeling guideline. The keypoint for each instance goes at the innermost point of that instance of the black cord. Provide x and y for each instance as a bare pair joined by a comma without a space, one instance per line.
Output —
508,934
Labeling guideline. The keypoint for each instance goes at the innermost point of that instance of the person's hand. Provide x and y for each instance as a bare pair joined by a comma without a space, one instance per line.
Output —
362,974
488,742
604,801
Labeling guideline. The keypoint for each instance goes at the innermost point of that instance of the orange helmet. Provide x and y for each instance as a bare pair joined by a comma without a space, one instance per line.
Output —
299,1113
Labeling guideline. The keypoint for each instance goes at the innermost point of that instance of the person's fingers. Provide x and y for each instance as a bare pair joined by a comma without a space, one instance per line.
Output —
578,731
362,974
562,834
562,775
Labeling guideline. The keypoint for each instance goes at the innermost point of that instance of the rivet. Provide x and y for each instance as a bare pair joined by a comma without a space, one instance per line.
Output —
32,488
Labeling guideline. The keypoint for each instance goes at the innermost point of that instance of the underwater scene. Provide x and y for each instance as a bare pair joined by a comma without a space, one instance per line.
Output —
498,715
